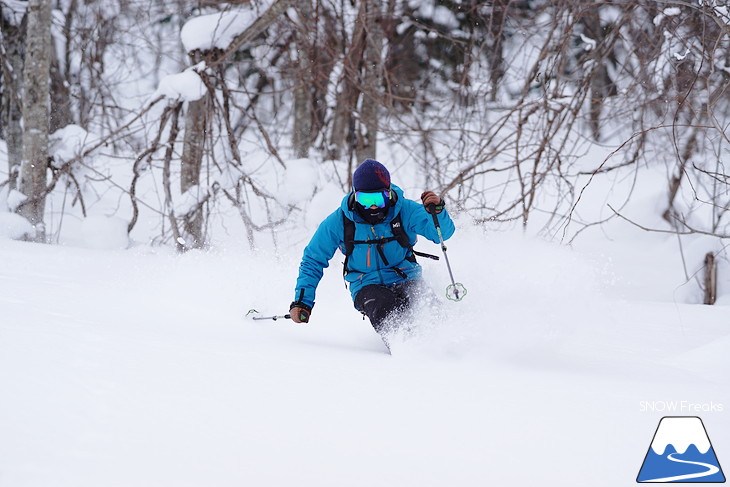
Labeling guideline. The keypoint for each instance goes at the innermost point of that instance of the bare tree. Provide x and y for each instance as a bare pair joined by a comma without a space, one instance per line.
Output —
36,110
500,104
197,128
61,106
197,122
371,98
303,109
12,35
343,125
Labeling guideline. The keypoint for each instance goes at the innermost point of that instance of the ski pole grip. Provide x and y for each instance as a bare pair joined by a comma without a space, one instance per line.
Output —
431,208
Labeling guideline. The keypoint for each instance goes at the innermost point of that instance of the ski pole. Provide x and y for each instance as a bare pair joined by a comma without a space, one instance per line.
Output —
255,316
455,287
273,318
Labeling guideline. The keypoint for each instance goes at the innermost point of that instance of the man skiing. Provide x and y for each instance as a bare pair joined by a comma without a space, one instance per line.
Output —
375,228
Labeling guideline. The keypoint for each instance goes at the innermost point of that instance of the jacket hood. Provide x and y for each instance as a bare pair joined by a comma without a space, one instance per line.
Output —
392,211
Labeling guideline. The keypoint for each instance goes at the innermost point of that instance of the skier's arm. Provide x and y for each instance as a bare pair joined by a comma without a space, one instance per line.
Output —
316,258
421,222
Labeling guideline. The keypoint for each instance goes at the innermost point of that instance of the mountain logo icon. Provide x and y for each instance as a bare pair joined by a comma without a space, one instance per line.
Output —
681,452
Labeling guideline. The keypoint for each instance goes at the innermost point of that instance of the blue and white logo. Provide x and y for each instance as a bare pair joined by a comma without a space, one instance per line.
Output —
681,452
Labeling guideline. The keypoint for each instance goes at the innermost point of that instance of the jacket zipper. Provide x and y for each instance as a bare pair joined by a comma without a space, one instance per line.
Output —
380,270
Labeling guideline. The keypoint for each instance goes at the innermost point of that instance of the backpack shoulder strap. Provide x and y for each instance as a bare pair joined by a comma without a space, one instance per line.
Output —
349,235
396,227
348,240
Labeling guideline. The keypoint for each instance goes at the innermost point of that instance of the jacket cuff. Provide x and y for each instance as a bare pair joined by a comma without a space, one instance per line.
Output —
439,207
299,304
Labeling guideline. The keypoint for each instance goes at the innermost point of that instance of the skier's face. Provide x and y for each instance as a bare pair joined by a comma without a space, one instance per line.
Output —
373,214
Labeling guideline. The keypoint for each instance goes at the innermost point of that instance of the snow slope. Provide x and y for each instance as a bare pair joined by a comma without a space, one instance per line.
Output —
137,368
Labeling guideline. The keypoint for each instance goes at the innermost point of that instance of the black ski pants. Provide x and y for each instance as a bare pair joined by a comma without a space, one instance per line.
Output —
382,304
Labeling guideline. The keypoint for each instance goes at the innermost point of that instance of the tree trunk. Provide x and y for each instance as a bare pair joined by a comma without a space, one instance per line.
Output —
36,111
689,148
710,278
302,131
343,119
373,79
61,113
600,81
495,54
196,123
196,128
12,93
191,161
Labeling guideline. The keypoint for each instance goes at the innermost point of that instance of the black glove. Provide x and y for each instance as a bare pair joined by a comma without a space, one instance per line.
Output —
300,312
430,198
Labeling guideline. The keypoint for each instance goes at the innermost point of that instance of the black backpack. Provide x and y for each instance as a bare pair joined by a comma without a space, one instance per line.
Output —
399,235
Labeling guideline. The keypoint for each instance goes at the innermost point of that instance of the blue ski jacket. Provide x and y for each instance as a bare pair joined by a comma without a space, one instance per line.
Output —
365,265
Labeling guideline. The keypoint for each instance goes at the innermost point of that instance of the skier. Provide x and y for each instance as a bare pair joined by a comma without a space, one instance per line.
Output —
375,228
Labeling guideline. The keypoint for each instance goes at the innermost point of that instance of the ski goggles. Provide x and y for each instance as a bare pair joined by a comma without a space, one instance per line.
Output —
377,198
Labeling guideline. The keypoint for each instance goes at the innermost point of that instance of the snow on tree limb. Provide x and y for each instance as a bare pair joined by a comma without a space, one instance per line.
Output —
217,30
186,86
222,28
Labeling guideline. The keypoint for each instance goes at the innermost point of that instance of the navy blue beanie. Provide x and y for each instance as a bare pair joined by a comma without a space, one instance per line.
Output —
371,176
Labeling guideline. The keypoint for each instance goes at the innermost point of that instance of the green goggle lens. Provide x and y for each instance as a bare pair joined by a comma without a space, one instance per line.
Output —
367,200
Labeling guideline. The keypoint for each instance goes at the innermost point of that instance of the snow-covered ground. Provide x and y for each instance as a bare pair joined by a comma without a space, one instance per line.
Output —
137,368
